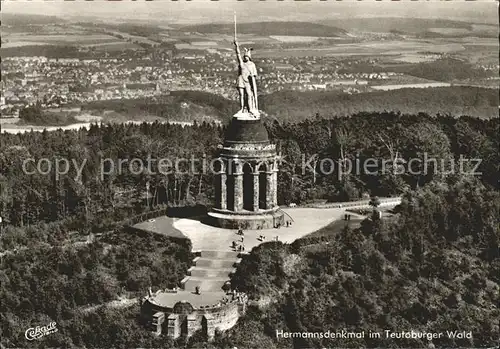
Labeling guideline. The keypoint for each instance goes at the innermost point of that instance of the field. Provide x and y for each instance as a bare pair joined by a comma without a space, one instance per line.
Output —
197,41
449,31
189,47
57,39
204,43
133,38
270,28
115,46
73,37
275,42
22,43
404,79
421,85
416,58
376,48
474,30
290,38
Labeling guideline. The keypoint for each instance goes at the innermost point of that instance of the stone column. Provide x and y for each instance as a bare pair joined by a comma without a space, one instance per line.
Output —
192,325
223,191
275,187
269,190
256,191
158,319
173,329
238,189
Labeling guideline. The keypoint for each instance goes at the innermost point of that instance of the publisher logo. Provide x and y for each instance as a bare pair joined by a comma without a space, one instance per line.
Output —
33,333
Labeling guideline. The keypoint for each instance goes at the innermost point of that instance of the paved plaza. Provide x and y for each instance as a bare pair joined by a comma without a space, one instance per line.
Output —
210,238
216,258
306,221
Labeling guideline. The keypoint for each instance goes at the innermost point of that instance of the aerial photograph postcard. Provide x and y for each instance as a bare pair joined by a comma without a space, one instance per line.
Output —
249,174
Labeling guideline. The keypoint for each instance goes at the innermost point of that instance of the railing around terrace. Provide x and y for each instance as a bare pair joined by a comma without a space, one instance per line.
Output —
349,204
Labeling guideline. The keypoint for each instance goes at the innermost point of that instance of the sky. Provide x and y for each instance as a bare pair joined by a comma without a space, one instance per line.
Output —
196,11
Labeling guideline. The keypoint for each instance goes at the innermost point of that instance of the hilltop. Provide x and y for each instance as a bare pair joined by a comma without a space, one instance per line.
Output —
23,19
408,25
456,101
295,106
440,27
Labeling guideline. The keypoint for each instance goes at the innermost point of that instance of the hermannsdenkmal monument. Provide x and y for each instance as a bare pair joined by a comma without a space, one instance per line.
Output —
246,188
245,214
246,198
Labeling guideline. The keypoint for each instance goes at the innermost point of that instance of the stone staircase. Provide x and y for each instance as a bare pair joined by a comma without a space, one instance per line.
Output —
210,270
215,263
219,254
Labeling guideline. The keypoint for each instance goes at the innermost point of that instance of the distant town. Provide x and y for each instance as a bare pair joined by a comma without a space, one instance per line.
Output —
157,63
55,82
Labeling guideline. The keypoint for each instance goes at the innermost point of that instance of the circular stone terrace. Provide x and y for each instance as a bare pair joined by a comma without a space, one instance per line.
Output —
167,300
216,259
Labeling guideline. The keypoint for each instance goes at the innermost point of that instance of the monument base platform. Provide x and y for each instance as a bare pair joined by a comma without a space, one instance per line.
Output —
246,115
249,220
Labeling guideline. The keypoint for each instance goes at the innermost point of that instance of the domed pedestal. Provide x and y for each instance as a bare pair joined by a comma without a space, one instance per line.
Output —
247,180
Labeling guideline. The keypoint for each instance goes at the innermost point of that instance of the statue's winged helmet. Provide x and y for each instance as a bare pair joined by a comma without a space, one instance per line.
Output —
248,52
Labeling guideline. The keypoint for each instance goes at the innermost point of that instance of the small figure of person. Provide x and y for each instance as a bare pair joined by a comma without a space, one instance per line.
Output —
197,289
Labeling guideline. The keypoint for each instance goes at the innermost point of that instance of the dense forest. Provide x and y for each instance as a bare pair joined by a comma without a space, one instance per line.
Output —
95,182
447,69
295,106
52,278
444,69
36,116
433,268
170,107
64,251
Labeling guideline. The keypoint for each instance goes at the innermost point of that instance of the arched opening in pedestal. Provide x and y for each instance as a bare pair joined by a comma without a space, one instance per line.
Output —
248,187
263,186
184,326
